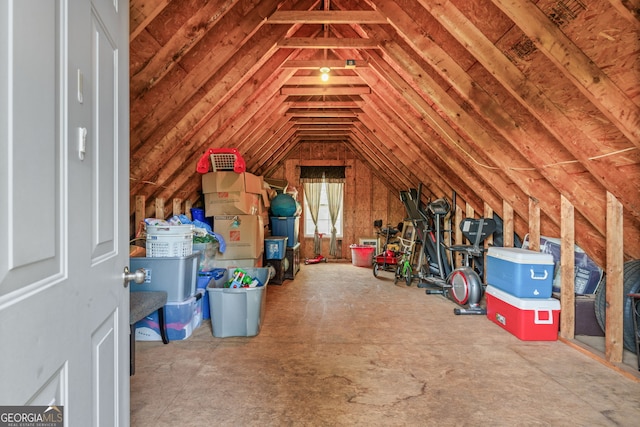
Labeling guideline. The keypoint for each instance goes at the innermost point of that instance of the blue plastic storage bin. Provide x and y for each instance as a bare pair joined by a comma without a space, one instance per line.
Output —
274,247
177,276
180,318
286,226
217,275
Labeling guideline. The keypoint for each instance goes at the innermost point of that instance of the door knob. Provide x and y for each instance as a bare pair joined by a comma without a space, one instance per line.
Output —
137,276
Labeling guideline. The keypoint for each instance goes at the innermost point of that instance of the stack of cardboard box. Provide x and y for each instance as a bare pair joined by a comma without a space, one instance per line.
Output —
238,204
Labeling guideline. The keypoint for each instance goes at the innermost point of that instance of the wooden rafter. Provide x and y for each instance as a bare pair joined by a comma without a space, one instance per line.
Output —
326,17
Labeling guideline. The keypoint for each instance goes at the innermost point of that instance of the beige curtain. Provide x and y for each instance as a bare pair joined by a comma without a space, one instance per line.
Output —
334,196
312,189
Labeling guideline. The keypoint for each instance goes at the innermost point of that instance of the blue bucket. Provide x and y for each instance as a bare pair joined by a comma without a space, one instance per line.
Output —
197,213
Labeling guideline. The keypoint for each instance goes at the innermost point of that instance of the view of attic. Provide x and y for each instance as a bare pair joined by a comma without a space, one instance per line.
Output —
529,110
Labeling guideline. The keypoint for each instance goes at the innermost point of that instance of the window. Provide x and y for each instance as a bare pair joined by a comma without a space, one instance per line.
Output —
323,196
324,219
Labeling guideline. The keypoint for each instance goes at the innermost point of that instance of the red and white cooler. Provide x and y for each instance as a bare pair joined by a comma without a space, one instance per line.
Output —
530,319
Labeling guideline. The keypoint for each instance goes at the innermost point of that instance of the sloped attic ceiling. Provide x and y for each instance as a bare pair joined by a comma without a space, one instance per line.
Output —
499,100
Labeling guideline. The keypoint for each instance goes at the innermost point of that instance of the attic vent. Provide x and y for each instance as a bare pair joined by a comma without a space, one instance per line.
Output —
560,13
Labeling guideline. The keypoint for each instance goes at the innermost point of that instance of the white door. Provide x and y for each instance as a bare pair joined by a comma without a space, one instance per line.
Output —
64,214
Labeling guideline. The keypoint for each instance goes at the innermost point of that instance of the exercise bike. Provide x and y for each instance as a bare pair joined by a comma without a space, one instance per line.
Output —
436,271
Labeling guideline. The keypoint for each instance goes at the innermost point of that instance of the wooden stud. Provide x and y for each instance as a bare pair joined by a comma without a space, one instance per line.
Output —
614,272
488,213
188,204
567,269
140,211
507,225
159,208
534,224
177,206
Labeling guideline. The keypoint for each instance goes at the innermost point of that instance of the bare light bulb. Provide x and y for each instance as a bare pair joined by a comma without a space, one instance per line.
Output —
324,77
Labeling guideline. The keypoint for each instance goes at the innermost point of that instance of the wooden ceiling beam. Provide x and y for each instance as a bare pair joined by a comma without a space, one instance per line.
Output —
324,130
323,104
196,127
413,145
629,10
327,43
253,135
348,17
532,142
590,80
440,162
305,137
324,120
222,53
326,90
305,112
181,43
270,142
582,144
317,63
142,12
452,147
333,80
512,163
382,157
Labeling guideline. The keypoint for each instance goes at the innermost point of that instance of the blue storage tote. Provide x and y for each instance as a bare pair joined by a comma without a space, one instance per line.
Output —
180,318
218,275
274,247
286,226
177,276
520,272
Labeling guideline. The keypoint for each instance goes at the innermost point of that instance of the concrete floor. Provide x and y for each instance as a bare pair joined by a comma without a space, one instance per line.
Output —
341,347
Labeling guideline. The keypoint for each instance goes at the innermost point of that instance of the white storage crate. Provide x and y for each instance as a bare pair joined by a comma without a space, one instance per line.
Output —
169,240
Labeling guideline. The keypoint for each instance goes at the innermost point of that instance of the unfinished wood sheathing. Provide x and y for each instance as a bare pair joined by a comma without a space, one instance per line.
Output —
393,141
534,143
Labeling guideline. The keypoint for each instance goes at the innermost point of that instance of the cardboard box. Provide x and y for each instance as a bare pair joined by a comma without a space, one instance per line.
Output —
530,319
243,235
232,203
521,272
227,182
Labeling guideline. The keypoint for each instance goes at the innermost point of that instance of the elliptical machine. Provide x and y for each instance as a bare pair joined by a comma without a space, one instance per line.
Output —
436,270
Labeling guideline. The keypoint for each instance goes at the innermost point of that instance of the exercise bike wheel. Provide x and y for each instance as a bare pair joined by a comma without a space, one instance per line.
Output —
465,286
